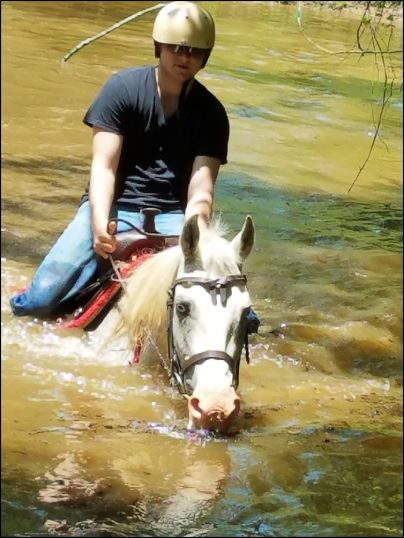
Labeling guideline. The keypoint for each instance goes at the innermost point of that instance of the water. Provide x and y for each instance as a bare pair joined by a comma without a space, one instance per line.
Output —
92,447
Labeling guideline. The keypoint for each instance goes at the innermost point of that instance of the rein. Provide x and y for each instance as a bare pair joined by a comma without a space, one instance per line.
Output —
179,365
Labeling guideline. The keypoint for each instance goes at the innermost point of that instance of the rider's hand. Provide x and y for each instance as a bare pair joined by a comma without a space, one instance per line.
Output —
104,241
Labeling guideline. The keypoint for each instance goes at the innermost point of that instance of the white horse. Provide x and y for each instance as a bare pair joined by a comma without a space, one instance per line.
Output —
204,316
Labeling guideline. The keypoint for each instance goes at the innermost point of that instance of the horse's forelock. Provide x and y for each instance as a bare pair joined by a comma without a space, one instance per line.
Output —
217,228
217,253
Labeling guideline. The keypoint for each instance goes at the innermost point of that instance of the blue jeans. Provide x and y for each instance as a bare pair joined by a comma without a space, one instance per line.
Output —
72,264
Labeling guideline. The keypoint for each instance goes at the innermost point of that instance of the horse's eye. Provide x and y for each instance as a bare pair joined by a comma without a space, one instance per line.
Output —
182,309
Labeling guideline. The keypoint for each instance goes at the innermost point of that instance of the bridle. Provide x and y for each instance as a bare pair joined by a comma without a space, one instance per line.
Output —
179,365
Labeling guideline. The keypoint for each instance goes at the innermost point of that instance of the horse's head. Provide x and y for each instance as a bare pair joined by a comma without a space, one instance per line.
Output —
208,305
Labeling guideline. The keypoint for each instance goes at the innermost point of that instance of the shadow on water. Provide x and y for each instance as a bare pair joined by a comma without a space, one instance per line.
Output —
315,220
23,248
315,83
31,224
59,167
318,219
319,272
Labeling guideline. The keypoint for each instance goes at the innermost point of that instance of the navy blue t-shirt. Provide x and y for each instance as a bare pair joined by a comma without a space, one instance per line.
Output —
157,155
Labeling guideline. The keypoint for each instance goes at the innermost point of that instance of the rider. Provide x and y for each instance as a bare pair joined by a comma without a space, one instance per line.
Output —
159,138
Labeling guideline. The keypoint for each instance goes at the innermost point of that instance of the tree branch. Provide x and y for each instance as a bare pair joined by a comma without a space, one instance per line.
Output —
89,40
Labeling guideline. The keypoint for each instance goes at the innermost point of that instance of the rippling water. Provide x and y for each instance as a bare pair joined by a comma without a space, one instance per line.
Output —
92,446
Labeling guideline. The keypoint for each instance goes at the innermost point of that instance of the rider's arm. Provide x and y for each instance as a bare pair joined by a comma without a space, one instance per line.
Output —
106,153
201,187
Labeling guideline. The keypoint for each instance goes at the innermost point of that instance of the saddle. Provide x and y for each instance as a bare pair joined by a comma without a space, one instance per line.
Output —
92,304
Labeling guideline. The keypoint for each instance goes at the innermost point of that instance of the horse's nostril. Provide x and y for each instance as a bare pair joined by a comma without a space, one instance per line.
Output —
216,416
195,404
213,411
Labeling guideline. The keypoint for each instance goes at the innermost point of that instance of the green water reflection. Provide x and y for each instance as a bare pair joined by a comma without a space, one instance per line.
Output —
282,485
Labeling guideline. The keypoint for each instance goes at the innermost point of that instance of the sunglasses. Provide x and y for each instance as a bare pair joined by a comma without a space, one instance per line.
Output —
188,51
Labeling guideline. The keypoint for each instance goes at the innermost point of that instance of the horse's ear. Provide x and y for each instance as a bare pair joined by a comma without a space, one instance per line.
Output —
190,239
244,240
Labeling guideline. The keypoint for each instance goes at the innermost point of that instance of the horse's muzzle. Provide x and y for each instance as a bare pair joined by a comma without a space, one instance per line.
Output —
213,411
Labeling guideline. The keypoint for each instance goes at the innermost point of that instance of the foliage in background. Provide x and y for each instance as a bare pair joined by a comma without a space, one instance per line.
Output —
374,36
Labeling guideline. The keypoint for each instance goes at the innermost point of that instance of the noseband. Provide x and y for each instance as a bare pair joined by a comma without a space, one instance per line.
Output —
179,365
